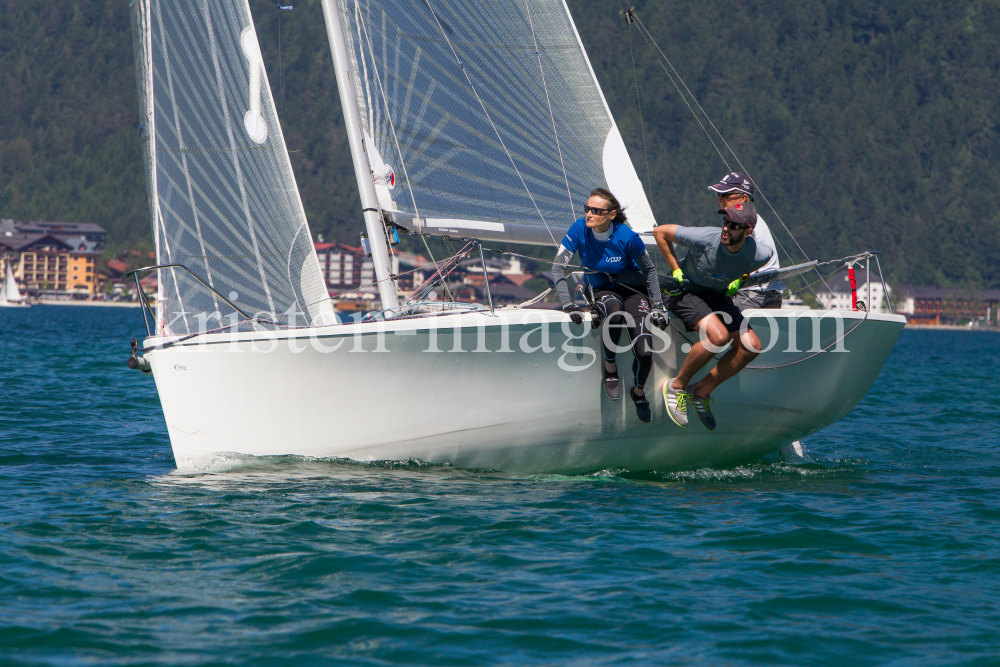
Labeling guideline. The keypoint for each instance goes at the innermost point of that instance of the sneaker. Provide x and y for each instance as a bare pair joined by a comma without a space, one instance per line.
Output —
703,406
641,406
612,386
676,401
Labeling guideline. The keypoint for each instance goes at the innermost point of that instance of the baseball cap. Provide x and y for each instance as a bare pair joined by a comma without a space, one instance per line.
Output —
734,182
744,214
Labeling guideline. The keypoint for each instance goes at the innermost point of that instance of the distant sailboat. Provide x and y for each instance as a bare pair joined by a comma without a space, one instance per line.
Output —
470,120
10,296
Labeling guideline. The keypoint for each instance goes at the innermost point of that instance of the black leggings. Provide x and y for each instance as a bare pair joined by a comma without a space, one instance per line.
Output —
613,304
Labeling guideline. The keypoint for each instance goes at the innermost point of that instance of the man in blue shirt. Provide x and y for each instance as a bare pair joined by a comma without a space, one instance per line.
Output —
710,274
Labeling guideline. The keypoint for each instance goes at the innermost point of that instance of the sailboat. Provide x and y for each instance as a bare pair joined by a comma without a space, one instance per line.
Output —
475,121
10,295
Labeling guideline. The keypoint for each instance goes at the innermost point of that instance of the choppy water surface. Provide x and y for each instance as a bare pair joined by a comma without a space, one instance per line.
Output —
884,549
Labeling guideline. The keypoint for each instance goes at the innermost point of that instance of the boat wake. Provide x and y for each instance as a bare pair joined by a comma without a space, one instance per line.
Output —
231,466
761,472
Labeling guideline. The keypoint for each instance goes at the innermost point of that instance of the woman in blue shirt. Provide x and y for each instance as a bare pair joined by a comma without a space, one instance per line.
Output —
622,280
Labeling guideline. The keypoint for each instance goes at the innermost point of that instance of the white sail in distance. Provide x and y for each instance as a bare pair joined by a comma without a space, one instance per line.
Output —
222,195
10,291
483,118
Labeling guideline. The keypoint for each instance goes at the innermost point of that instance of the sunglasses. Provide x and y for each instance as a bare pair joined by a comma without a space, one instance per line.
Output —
736,226
730,195
597,211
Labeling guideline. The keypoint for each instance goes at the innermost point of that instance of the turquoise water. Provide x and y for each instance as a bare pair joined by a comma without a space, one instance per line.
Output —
883,549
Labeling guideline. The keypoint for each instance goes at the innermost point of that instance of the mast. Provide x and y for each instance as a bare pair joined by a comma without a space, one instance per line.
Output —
362,169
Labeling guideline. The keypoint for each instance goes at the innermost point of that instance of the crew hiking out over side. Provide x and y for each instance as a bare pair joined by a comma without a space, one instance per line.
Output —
622,289
734,189
708,278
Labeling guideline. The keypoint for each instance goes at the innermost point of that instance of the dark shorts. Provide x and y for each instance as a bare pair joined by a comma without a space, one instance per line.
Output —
748,298
693,308
612,302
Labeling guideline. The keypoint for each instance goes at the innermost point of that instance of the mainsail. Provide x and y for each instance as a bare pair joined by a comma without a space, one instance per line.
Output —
223,199
483,118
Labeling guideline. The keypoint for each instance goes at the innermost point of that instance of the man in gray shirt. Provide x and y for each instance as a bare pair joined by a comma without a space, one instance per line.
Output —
709,275
737,188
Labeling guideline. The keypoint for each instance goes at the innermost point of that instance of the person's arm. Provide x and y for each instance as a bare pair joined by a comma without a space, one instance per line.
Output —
666,236
656,315
563,257
648,268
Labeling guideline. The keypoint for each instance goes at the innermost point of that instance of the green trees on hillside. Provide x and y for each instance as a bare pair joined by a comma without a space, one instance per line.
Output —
69,140
867,125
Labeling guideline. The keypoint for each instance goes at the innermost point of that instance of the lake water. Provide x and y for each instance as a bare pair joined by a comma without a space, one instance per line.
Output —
883,549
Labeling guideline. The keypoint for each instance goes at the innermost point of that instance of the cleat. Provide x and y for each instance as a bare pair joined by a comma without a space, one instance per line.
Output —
641,407
676,401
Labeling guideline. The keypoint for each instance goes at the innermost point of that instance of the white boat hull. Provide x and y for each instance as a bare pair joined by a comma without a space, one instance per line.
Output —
316,392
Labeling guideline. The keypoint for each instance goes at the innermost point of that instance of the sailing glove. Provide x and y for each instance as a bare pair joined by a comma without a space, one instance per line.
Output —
734,287
574,312
675,290
595,316
658,318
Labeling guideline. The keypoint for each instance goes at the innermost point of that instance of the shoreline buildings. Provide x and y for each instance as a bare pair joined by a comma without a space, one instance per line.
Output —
54,259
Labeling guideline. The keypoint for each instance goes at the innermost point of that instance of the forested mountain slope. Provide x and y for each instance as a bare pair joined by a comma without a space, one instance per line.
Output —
868,125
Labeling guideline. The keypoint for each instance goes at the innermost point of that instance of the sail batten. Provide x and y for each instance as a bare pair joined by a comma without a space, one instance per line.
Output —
223,198
484,110
187,175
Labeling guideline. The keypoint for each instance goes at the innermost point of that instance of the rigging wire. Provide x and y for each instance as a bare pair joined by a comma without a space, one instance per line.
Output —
451,263
629,18
683,97
644,30
423,237
787,254
490,119
281,80
435,264
281,84
395,139
852,259
534,259
562,162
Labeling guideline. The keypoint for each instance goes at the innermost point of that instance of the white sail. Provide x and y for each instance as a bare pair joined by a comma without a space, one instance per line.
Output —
10,291
483,118
223,199
460,132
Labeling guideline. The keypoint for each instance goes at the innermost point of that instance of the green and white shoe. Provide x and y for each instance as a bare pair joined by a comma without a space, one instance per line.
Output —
703,406
676,401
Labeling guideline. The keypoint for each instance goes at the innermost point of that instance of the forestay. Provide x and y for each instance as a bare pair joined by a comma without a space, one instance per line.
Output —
483,118
223,199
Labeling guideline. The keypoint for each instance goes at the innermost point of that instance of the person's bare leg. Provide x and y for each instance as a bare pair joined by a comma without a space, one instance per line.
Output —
713,330
742,353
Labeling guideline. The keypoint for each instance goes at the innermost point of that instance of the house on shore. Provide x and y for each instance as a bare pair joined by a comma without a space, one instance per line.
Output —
52,259
949,306
835,292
